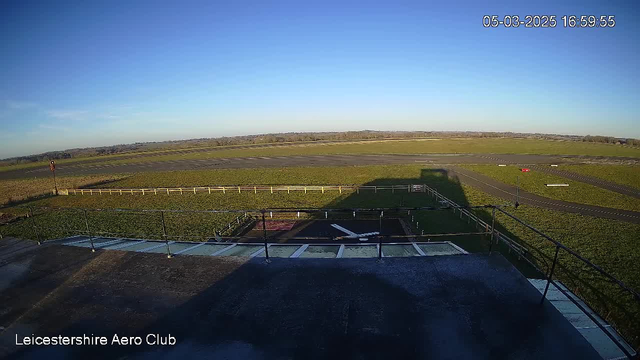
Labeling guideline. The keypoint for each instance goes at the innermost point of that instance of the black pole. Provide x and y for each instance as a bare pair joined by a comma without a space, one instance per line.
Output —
86,222
264,235
35,228
164,234
553,266
55,184
493,227
379,247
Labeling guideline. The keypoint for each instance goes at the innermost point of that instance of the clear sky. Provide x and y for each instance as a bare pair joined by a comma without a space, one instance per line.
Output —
93,73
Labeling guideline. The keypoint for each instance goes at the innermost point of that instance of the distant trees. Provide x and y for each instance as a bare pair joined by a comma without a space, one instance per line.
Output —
299,137
600,139
611,140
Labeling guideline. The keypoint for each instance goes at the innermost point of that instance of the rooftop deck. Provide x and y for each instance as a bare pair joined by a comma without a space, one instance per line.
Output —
471,306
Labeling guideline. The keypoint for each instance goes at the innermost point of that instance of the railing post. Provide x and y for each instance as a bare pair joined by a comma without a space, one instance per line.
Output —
493,224
164,234
86,222
35,228
553,266
264,236
379,247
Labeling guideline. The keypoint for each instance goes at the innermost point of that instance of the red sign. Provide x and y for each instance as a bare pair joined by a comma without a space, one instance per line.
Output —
52,166
525,170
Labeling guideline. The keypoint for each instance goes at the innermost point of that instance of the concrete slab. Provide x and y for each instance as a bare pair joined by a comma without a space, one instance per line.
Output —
439,249
282,251
321,251
360,251
241,250
206,249
401,250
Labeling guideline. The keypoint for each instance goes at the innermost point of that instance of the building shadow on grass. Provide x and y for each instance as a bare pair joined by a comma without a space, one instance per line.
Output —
232,308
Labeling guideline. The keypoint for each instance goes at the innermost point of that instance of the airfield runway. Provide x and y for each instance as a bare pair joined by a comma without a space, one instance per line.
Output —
508,192
287,161
445,161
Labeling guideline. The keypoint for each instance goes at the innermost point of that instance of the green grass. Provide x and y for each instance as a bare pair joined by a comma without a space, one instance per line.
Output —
425,146
628,175
17,190
578,192
608,243
355,175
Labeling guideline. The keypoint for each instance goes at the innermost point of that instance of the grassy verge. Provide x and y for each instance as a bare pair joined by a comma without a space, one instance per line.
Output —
18,190
628,175
578,192
610,244
430,146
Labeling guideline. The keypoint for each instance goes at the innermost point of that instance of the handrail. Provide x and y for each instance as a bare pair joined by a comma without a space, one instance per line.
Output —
578,256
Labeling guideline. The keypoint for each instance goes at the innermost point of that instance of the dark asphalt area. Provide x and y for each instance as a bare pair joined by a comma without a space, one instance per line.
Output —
448,307
322,228
508,192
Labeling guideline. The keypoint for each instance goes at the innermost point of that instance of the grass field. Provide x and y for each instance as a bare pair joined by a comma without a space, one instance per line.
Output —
628,175
608,243
17,190
426,146
534,182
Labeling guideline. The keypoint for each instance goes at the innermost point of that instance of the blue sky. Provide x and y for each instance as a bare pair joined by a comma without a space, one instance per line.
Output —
93,73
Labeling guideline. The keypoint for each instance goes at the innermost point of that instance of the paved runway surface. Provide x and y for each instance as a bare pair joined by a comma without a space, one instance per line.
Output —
447,307
508,192
277,161
430,160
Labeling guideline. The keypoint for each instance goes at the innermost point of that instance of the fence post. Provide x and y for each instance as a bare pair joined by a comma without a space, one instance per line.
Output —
164,234
493,224
86,222
35,228
379,247
553,266
264,236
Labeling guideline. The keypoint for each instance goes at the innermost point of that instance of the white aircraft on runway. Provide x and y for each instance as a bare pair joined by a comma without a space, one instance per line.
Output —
352,235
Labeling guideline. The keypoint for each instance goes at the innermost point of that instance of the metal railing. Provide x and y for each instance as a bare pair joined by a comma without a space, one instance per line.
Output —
484,227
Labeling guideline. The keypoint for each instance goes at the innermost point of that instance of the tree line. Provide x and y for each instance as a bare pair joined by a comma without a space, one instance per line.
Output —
294,137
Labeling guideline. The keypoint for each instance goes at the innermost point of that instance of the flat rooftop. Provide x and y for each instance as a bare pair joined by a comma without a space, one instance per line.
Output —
459,306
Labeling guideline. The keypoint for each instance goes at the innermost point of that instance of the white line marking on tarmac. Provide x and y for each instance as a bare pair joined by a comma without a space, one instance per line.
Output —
300,250
127,245
457,247
155,246
216,253
415,246
259,251
189,248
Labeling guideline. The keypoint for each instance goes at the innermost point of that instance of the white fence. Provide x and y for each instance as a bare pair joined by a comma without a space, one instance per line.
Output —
247,188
